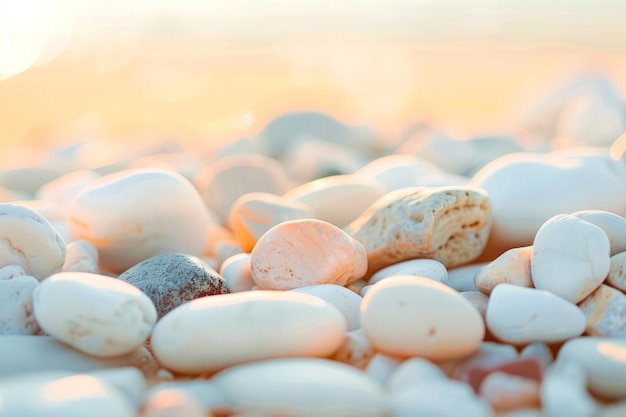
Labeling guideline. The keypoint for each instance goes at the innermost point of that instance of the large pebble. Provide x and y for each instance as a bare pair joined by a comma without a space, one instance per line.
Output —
302,387
213,333
98,315
605,310
16,301
300,253
512,267
613,225
171,279
27,239
253,214
338,199
570,257
228,178
602,360
409,316
449,224
72,396
132,215
522,315
346,300
428,268
565,181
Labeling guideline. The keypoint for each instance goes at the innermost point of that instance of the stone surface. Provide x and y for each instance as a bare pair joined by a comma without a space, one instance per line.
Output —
111,213
237,272
81,256
16,301
570,257
98,315
408,316
253,214
617,272
171,279
355,350
521,315
613,225
413,372
213,333
449,224
479,300
428,268
605,310
347,301
512,267
27,239
302,387
300,253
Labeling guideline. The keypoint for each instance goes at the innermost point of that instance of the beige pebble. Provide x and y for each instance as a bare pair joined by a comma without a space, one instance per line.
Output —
356,350
605,310
236,272
449,224
407,316
253,214
617,272
338,199
512,267
228,178
82,256
300,253
509,392
478,300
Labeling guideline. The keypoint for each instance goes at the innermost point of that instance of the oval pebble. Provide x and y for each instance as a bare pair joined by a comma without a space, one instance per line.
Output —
302,387
171,279
27,239
570,257
428,268
110,212
300,253
98,315
564,392
408,316
213,333
237,273
521,315
347,301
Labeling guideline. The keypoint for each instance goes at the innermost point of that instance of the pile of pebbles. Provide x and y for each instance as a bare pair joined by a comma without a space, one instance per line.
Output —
315,271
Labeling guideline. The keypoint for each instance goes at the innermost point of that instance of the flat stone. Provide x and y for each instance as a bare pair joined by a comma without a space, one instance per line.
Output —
521,315
570,257
300,253
512,267
171,279
449,224
407,316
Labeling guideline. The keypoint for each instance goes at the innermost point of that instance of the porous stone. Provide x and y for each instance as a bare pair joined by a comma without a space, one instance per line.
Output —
300,253
449,224
171,279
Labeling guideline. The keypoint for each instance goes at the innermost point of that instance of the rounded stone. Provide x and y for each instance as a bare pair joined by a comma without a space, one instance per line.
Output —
171,279
16,301
409,316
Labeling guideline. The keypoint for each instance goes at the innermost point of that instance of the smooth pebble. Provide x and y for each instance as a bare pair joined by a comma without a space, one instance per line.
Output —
605,309
512,267
82,256
16,301
428,268
237,272
347,301
617,272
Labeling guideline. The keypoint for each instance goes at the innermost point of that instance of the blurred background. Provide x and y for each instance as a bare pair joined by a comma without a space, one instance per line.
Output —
213,70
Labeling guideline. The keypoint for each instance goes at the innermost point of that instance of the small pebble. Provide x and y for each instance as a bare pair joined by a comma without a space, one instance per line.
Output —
512,267
347,301
381,367
413,372
98,315
527,368
479,300
488,355
82,256
356,350
564,392
570,257
407,316
428,268
171,279
395,171
16,301
507,392
617,272
605,310
300,253
613,225
538,350
237,272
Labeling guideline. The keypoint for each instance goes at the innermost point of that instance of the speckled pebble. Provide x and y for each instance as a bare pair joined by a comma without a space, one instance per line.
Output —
172,279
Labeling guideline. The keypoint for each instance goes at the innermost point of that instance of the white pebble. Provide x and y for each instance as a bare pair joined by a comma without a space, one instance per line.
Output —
82,256
347,301
381,367
16,301
428,268
236,272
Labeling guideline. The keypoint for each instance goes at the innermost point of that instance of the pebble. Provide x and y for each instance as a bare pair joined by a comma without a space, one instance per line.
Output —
302,387
237,272
571,180
538,350
512,267
462,278
226,179
407,316
27,239
617,272
347,301
253,214
413,372
613,225
605,310
428,268
570,257
63,189
16,301
521,315
171,279
173,403
529,368
110,212
300,253
356,350
564,392
381,367
338,199
71,396
507,392
396,171
488,355
213,333
98,315
81,256
602,359
449,224
479,300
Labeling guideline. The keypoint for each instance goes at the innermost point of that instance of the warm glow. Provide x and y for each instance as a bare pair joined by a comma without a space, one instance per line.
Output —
613,351
72,388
